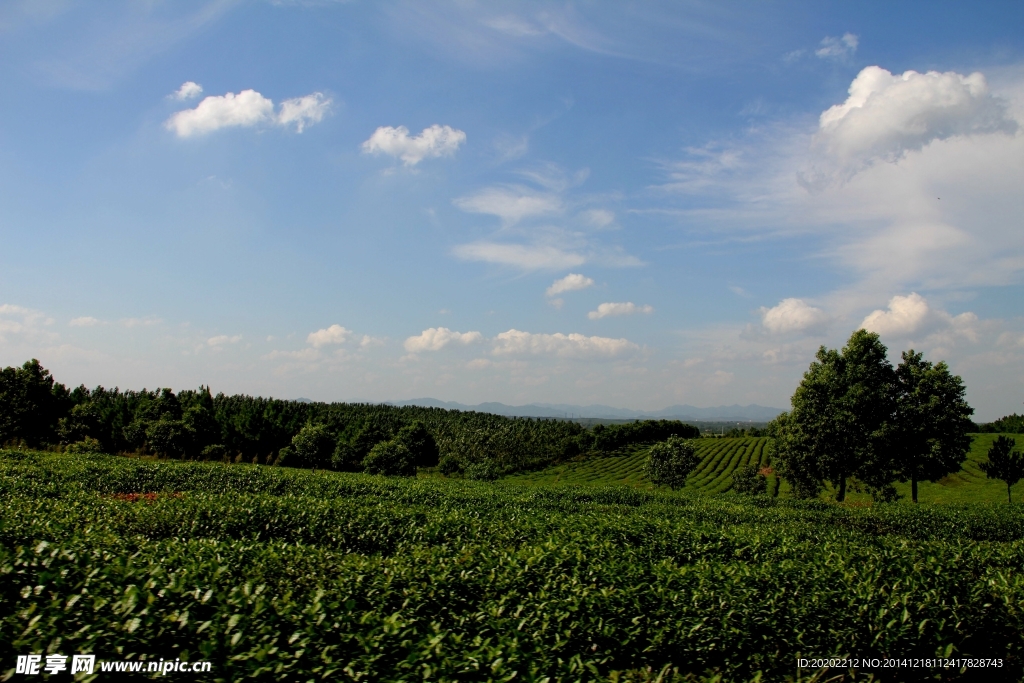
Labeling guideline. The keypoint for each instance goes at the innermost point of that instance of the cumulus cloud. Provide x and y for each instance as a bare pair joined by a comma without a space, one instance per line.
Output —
187,91
887,115
247,109
911,314
436,141
511,204
335,334
222,339
436,338
570,283
84,321
627,308
837,48
516,342
793,315
527,257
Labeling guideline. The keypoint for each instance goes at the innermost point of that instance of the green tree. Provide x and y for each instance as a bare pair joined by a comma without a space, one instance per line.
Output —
312,447
31,404
929,433
840,411
420,443
671,461
168,438
391,458
1004,463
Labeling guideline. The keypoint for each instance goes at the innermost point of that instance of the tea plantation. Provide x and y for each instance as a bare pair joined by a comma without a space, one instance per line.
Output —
294,575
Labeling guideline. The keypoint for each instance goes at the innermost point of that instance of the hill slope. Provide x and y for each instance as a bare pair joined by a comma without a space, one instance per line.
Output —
720,457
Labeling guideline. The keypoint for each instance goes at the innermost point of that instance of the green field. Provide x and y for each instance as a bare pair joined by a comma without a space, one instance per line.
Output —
720,457
279,574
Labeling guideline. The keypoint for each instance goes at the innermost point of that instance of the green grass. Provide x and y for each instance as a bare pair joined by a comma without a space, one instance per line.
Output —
720,457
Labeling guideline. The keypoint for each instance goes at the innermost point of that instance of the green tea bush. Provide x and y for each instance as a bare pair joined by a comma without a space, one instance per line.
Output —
280,574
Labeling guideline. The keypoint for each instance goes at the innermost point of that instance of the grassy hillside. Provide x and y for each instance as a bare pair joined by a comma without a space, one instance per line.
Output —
276,574
720,457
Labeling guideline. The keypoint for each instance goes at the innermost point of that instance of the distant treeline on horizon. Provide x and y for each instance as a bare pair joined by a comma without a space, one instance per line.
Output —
37,411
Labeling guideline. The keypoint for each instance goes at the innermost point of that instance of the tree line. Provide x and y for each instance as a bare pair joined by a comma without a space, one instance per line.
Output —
39,412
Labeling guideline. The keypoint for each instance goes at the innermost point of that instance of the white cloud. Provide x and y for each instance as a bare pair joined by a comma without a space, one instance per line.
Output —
627,308
887,115
247,109
148,321
514,26
24,323
84,321
515,342
793,315
367,341
335,334
307,355
598,218
837,48
570,283
436,338
527,257
304,111
222,339
911,314
187,91
511,204
436,141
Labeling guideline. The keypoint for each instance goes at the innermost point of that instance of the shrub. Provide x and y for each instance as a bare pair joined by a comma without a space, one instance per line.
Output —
749,481
214,452
483,470
392,458
449,465
86,445
313,447
671,461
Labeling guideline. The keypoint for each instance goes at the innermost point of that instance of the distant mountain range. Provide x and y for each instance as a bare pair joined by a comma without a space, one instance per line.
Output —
733,413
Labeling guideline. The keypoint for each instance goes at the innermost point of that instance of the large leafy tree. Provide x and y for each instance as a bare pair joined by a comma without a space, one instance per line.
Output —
31,404
929,432
837,426
1004,463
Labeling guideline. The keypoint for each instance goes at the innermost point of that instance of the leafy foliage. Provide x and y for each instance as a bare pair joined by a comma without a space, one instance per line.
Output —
853,415
282,575
671,462
1012,424
392,458
1004,463
313,447
928,435
749,480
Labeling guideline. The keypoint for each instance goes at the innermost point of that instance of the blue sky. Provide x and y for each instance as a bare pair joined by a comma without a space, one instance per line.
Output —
636,205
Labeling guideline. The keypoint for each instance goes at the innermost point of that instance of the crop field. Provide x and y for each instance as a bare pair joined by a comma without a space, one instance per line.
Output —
720,457
293,575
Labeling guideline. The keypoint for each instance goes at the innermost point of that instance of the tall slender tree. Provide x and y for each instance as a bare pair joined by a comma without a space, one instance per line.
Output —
1004,463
